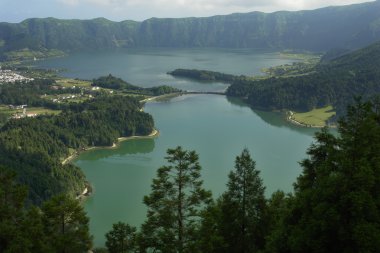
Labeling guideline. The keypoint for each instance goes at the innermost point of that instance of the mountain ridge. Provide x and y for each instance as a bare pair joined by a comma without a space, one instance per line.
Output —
351,26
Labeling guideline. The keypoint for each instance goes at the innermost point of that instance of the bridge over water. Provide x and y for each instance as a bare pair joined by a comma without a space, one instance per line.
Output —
204,92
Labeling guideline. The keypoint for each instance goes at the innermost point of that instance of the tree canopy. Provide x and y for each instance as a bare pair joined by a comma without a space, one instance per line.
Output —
175,204
36,147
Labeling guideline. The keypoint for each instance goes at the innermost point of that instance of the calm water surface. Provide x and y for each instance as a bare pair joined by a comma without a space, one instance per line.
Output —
148,67
216,127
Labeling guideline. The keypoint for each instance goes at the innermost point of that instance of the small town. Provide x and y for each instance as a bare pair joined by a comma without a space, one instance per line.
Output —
9,76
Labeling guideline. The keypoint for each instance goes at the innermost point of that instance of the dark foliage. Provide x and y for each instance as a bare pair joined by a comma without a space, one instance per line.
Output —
60,226
203,75
111,82
336,83
35,147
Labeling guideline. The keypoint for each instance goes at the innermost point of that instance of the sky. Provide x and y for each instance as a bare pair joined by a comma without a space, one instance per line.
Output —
117,10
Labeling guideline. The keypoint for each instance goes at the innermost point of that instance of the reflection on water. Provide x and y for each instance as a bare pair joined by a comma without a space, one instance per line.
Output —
133,146
276,119
217,128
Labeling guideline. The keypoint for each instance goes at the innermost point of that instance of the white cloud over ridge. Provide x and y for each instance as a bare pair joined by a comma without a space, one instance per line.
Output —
143,9
217,4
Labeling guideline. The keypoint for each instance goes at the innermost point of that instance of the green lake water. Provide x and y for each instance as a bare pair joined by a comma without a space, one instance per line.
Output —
216,127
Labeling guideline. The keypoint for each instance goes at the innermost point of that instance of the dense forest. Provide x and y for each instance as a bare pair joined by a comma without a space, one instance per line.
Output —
35,147
350,27
115,83
336,82
59,225
203,75
32,93
334,206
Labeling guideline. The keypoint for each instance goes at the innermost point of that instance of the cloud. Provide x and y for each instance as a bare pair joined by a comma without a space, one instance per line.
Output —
69,2
143,9
243,5
213,4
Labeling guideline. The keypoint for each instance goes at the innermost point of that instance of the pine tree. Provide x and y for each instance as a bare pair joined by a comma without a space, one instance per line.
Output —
12,197
336,207
121,238
175,204
66,225
279,206
243,207
20,230
210,237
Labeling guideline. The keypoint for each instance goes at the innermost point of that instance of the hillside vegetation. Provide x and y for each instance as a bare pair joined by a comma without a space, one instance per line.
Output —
351,26
336,83
34,148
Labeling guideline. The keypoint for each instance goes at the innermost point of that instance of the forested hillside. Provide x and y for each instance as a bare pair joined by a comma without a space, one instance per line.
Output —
35,147
336,83
351,26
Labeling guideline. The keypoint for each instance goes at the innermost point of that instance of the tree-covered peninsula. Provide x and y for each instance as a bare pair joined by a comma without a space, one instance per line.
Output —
34,147
336,82
203,75
115,83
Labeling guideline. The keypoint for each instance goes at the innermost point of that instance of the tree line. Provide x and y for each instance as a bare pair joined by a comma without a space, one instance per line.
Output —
203,75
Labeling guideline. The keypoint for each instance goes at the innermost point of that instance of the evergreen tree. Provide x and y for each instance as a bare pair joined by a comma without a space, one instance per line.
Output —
20,230
33,230
66,225
337,205
175,204
210,237
121,238
243,207
12,197
279,206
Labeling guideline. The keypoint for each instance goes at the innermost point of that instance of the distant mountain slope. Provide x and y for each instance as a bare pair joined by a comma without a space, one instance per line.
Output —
333,83
352,26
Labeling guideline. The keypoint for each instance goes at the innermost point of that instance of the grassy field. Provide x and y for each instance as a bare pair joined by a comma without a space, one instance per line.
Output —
66,82
27,54
41,110
37,110
5,110
316,117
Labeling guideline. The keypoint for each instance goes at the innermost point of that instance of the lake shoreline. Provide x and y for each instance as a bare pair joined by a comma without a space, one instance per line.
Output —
290,119
155,133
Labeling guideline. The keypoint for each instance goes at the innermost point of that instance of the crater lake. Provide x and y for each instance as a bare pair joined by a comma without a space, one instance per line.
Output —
217,127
